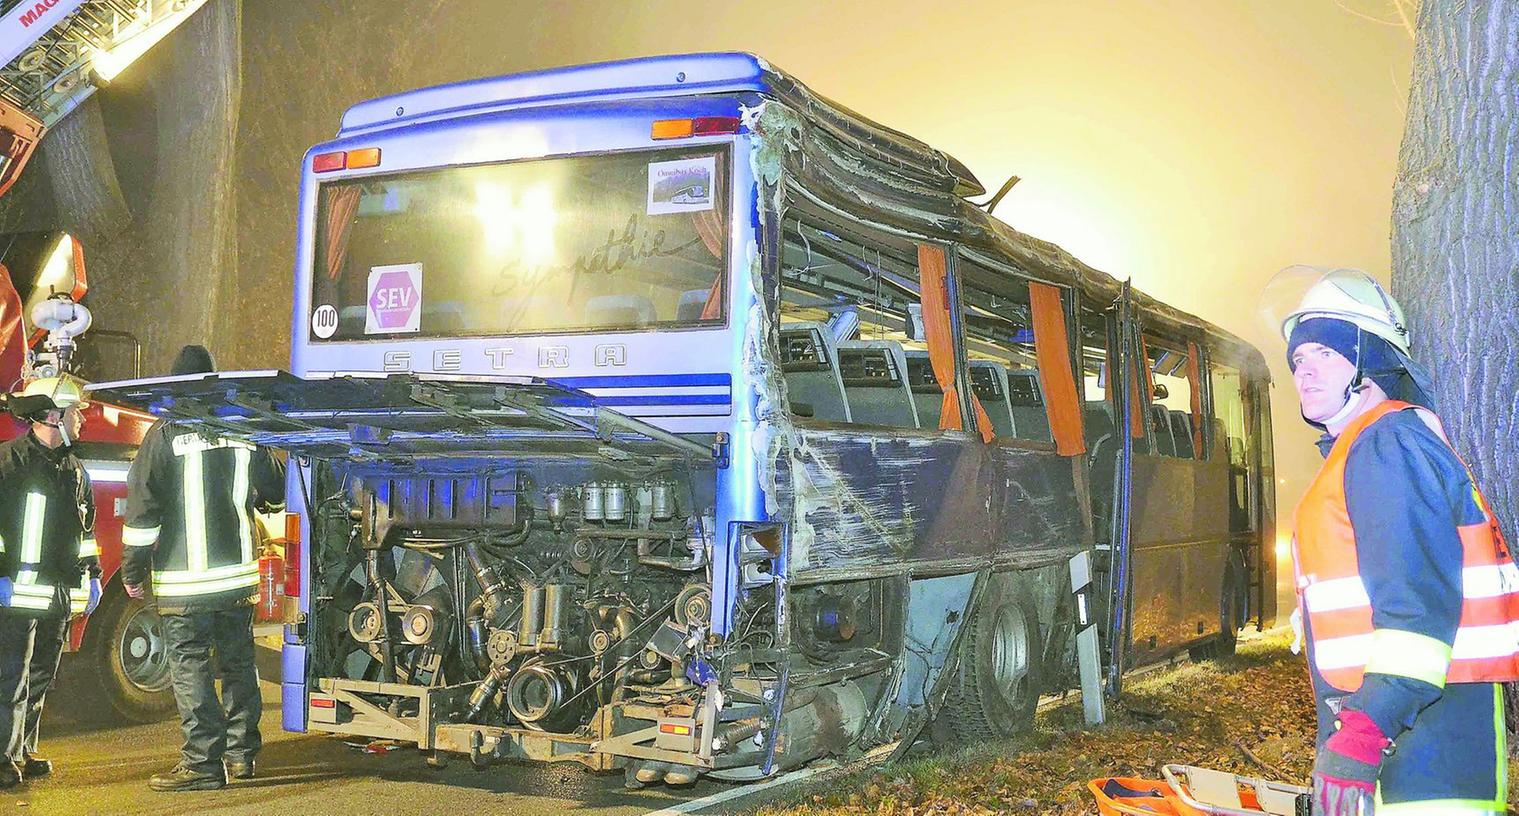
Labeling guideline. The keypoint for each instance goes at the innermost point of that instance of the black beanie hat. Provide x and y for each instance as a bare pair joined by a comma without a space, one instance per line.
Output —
193,359
1376,357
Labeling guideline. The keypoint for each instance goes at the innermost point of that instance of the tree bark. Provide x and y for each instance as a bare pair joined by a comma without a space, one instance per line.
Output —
1455,234
77,158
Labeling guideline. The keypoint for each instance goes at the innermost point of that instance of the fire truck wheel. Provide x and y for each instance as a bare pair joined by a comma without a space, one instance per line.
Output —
997,686
125,657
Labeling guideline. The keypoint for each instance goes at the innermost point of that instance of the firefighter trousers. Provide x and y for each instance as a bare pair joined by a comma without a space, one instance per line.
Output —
214,728
29,652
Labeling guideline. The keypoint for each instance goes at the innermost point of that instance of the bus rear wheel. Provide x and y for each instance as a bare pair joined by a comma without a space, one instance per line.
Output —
997,687
124,661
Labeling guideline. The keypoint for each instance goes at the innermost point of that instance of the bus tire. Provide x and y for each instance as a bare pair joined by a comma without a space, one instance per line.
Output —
997,686
1234,601
123,661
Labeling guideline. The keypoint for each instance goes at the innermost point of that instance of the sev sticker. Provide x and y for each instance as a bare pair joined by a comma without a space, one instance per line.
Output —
395,299
683,185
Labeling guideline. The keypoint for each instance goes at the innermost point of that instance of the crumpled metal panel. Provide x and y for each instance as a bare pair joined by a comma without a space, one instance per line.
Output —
880,502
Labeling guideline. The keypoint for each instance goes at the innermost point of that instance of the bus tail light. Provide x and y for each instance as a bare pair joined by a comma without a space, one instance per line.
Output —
292,567
714,126
700,126
328,162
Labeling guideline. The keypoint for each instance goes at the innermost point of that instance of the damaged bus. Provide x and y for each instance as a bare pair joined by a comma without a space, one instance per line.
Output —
664,416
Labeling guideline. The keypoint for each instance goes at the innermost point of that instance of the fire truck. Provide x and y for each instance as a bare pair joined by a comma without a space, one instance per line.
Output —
55,54
119,650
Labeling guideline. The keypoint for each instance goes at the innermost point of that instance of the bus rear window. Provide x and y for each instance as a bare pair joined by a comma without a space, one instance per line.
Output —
613,242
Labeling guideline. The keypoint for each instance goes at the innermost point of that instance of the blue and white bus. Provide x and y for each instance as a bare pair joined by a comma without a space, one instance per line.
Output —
664,416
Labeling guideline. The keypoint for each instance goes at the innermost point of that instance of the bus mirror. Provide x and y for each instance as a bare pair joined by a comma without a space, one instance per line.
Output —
803,409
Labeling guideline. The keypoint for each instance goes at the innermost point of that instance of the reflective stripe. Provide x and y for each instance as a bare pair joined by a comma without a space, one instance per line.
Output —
19,601
1491,581
182,583
88,548
28,594
1476,642
195,511
1472,643
188,577
242,458
1409,654
31,528
1336,594
139,536
79,597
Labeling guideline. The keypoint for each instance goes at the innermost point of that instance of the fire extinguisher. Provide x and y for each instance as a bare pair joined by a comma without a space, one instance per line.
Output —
271,585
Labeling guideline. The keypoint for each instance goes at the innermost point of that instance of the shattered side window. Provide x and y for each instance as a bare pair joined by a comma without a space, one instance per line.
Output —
851,326
999,349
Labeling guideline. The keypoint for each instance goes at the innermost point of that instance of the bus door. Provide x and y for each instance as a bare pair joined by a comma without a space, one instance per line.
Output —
1119,438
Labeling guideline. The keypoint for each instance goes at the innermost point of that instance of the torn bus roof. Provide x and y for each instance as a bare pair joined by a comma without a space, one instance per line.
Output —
664,77
366,415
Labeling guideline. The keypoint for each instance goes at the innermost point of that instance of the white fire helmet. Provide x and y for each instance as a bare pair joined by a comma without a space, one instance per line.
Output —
1301,292
65,391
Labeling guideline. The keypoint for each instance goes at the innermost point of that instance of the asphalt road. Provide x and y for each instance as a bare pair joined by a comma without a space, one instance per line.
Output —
105,770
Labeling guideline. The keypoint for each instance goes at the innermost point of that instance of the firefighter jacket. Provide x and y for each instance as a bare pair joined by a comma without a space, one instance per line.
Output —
47,522
190,503
1411,609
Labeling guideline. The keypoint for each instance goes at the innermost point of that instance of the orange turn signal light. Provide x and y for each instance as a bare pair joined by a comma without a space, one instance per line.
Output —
671,129
367,157
676,729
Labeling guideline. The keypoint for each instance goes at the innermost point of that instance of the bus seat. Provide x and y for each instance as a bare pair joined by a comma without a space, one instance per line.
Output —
1103,445
874,383
1027,402
1181,430
1160,428
1099,421
927,396
619,310
988,380
691,304
810,365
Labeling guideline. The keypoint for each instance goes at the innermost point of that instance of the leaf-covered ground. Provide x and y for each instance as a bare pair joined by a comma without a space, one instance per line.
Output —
1251,714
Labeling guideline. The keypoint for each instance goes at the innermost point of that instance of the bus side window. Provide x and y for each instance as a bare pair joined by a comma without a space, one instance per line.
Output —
1228,388
852,294
1173,419
999,349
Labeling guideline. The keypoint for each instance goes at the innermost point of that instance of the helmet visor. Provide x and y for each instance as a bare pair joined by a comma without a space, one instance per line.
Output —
1284,294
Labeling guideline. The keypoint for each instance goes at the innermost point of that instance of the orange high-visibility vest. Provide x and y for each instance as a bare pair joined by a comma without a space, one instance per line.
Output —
1345,645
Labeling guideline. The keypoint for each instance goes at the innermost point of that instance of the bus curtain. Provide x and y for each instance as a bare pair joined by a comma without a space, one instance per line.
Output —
342,203
1194,381
933,271
709,227
1051,347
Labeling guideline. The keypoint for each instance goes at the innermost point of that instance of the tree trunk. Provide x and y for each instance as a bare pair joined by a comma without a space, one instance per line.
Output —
77,157
1455,234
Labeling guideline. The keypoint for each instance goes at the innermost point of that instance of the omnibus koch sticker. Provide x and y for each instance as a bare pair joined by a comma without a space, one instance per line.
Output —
395,299
684,185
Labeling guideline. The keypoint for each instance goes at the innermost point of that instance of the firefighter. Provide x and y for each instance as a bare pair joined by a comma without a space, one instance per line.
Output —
1409,597
190,547
47,551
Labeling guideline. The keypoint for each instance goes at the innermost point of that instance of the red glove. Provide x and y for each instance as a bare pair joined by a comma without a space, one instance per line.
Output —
1345,771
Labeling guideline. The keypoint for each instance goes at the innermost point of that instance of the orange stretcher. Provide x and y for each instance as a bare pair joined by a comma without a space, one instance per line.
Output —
1187,790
